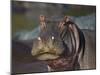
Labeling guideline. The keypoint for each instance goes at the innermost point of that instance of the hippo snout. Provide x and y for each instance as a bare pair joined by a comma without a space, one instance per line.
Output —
46,51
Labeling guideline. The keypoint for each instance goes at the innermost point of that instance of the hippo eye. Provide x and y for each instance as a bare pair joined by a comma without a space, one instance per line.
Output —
52,37
39,38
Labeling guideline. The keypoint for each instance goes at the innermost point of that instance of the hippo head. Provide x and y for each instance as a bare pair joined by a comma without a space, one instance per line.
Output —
49,44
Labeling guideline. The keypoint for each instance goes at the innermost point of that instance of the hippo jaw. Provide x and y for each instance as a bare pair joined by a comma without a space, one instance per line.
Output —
43,55
46,54
48,51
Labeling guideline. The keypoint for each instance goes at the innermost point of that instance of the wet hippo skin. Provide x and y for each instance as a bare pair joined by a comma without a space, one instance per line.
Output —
60,46
27,65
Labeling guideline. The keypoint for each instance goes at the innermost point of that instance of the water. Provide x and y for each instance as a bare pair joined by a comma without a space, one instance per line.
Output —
86,22
26,35
83,22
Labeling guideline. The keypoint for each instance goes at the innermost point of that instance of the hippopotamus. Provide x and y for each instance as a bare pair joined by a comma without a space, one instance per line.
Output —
60,46
60,51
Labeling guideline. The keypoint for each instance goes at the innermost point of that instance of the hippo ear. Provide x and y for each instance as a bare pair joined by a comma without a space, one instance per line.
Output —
66,18
61,26
63,21
42,22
